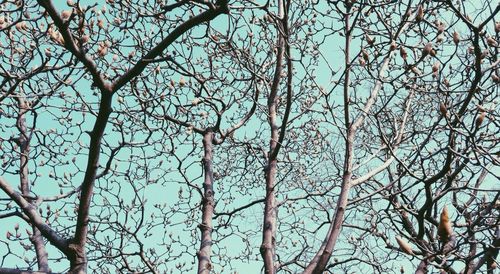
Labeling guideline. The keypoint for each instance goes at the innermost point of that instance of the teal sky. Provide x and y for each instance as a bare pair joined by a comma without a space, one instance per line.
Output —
151,172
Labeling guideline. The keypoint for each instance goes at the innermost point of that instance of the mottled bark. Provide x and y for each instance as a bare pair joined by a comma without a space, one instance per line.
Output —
208,204
422,267
268,246
20,271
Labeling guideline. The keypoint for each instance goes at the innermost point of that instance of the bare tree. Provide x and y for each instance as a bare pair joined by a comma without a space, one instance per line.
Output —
218,136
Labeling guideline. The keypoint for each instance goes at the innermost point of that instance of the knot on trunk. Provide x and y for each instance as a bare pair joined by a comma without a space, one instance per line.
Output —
78,259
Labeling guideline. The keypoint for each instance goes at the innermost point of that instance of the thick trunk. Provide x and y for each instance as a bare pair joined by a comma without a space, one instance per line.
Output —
77,259
76,254
208,203
78,268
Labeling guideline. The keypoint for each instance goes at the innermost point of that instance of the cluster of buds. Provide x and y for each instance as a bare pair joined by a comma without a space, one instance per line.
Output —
66,14
491,42
428,50
55,36
420,14
4,21
102,50
22,26
435,69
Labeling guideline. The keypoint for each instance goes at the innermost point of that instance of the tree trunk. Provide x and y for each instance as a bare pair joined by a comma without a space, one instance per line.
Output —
208,203
268,246
24,145
77,259
422,267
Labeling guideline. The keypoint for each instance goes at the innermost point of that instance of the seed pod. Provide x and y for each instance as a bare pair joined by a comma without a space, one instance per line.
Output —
442,109
365,55
444,229
427,49
85,39
362,62
182,82
369,39
66,14
420,13
480,119
48,53
435,67
491,42
403,53
440,28
495,78
102,50
456,38
416,71
393,46
405,247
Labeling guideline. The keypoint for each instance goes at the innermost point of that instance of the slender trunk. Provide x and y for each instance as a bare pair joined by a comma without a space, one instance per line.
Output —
208,203
24,145
320,260
268,246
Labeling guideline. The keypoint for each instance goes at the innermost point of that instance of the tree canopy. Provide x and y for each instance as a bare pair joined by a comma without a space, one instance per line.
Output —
222,136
